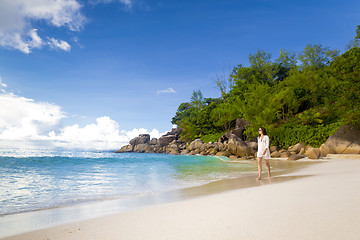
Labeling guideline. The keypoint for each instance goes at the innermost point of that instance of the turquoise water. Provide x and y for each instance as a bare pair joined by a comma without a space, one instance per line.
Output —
41,179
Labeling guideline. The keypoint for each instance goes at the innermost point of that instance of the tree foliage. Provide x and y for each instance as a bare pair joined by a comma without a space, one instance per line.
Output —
308,94
315,57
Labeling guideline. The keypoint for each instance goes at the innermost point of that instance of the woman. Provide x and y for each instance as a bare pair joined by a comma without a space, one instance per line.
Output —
263,151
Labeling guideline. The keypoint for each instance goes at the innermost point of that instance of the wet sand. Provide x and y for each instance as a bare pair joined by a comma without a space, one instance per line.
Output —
320,202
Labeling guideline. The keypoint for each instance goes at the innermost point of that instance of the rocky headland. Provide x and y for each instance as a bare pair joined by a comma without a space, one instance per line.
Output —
346,140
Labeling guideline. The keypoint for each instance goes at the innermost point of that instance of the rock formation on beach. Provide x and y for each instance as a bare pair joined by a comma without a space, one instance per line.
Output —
345,141
168,143
230,144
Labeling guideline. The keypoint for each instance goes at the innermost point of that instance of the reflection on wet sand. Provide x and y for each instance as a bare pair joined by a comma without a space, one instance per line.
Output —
280,173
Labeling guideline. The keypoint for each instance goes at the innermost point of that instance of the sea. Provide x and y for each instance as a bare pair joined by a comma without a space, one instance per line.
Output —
44,184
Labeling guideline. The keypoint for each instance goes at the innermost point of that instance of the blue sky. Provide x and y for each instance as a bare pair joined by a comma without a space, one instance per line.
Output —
116,58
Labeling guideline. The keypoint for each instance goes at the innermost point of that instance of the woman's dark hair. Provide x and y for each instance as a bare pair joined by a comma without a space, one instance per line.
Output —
263,131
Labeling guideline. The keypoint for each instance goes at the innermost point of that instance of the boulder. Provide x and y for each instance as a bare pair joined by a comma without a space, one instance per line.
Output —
125,149
204,153
238,147
141,139
157,148
275,154
274,148
224,138
324,150
182,146
184,151
196,144
208,146
166,150
166,140
153,141
149,149
223,153
174,152
302,151
162,149
285,154
194,152
174,147
141,148
221,146
313,153
240,126
213,151
241,123
233,157
346,140
296,148
296,157
238,132
253,145
204,147
174,131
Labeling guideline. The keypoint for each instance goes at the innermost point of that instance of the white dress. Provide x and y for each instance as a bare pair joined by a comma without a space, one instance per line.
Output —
262,144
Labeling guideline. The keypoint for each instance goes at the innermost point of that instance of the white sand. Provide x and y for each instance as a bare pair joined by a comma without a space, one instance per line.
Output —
325,205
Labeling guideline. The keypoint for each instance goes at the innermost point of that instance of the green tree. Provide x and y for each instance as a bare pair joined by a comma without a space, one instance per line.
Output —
315,57
295,103
262,67
224,84
346,72
258,107
285,62
223,116
182,112
310,117
260,60
197,100
356,41
357,37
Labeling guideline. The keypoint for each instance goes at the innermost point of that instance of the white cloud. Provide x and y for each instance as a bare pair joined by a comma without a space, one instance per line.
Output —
18,16
23,118
169,90
63,45
2,86
104,134
77,41
136,131
127,3
18,19
25,122
36,41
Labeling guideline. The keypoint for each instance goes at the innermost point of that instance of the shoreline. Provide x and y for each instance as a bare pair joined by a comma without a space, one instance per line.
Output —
321,203
43,219
291,165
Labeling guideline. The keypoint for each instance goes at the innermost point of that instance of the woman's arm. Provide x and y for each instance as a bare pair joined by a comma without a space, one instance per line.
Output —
266,144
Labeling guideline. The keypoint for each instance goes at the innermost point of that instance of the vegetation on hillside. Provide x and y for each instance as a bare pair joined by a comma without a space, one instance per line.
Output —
300,97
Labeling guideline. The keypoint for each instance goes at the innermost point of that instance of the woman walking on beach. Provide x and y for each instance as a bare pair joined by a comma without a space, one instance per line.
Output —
263,152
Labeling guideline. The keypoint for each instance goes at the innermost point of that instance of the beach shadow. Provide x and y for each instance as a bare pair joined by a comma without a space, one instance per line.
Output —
278,179
219,187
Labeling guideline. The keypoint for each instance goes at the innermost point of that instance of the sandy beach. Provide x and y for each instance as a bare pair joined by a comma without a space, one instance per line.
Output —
321,202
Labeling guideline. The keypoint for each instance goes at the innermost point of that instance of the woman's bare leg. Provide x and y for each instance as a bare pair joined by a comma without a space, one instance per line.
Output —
268,167
259,167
